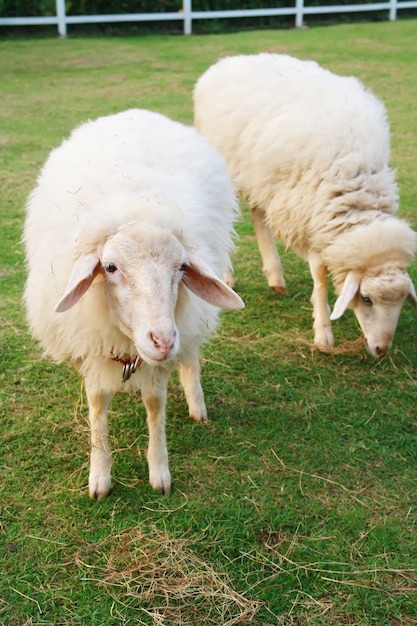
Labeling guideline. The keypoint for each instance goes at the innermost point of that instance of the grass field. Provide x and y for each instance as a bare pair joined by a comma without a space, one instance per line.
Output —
296,504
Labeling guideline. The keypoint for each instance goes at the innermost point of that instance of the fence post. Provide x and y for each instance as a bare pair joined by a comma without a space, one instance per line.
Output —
393,10
186,9
299,6
60,13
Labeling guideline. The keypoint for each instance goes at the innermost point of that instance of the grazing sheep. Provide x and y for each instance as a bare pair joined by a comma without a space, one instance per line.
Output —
126,233
309,151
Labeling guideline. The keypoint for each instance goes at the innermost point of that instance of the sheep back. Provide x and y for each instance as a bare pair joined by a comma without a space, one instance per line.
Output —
306,145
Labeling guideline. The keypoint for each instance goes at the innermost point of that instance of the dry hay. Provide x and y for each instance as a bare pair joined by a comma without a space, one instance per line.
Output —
273,345
349,348
161,577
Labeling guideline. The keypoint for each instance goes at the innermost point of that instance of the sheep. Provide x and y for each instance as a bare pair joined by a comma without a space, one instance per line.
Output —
309,151
126,233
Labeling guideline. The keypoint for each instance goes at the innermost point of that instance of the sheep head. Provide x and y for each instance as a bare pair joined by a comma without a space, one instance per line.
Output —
376,299
144,267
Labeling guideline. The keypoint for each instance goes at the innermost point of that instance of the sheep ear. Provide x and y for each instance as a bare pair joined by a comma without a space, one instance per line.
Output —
199,279
412,296
84,272
349,290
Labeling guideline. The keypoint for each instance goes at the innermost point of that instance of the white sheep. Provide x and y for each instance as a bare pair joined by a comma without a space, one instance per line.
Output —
309,151
127,231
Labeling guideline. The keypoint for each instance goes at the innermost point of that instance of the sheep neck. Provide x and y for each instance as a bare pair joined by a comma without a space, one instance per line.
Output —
130,364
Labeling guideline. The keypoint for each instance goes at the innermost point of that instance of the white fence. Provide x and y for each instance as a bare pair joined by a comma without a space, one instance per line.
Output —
187,15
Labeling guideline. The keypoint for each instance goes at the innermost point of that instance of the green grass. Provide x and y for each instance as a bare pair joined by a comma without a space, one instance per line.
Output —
296,504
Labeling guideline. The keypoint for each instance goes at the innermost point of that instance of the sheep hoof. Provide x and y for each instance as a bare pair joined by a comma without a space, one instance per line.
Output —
160,480
202,419
99,487
99,496
324,339
165,490
278,289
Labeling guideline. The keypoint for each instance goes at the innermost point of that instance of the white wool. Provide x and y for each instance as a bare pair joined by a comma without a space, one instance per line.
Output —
90,185
309,150
300,141
154,195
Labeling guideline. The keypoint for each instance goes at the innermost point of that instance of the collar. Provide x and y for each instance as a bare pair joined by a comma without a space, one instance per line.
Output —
130,364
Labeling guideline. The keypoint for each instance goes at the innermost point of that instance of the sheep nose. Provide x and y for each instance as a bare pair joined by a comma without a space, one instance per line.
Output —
381,350
163,345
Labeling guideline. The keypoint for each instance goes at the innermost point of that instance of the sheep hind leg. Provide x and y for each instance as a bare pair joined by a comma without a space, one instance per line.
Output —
99,482
154,396
271,263
190,381
323,335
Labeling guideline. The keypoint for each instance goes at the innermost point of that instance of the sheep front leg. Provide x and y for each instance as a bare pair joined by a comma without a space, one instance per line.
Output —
99,482
190,381
271,263
323,335
154,396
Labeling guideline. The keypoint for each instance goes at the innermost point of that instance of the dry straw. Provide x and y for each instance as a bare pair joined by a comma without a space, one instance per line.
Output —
166,581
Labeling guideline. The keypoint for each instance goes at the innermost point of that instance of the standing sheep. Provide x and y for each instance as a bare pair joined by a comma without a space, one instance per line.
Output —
127,231
309,151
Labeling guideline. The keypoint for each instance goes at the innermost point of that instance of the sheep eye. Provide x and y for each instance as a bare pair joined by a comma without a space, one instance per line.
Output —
110,267
366,300
183,267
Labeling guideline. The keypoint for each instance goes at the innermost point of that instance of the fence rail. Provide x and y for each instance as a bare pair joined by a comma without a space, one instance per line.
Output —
187,15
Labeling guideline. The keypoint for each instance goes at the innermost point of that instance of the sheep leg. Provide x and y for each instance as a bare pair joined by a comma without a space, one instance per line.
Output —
190,381
99,482
323,335
154,396
271,263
